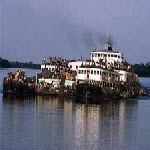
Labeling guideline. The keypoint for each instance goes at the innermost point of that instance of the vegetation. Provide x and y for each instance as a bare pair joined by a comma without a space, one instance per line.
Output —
7,64
143,70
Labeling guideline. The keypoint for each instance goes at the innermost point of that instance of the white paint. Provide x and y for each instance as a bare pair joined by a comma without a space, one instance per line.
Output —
48,67
124,75
95,74
69,83
75,65
107,56
56,82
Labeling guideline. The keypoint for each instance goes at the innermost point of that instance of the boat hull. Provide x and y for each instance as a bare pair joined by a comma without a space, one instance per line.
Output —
88,94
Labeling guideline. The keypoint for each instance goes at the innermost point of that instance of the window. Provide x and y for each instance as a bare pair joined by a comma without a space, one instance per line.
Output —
84,71
70,66
91,71
112,55
76,67
97,72
79,71
107,84
110,84
88,71
118,56
115,56
100,73
98,55
108,55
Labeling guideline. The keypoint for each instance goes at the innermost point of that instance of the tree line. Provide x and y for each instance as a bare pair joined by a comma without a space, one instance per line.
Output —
143,70
4,63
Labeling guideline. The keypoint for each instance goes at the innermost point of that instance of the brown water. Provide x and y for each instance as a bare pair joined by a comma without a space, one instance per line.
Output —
57,123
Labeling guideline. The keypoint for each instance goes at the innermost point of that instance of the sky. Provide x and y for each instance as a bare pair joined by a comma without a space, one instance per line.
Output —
32,29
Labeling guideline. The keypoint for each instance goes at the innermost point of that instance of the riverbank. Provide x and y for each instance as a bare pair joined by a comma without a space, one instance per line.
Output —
143,70
4,63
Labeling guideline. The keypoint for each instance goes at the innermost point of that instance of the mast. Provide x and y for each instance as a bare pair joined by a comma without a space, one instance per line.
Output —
106,44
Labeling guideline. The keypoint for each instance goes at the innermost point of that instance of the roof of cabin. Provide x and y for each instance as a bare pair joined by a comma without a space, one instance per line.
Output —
108,51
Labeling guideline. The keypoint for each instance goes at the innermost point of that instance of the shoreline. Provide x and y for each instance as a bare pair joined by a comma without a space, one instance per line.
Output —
1,68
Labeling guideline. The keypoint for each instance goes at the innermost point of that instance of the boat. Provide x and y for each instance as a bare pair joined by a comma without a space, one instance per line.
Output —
106,75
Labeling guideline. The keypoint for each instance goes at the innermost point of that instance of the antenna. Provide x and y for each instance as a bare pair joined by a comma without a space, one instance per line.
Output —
106,44
95,48
107,38
115,45
81,57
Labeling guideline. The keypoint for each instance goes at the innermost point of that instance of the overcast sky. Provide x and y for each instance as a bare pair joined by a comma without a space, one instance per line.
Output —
31,29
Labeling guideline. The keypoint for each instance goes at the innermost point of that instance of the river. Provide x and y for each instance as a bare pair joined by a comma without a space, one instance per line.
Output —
57,123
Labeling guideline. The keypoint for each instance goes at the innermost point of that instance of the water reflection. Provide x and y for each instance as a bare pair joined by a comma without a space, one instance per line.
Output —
58,123
87,127
103,126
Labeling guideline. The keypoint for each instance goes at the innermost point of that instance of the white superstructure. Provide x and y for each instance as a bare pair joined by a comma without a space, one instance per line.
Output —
74,65
104,67
96,74
107,56
48,67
